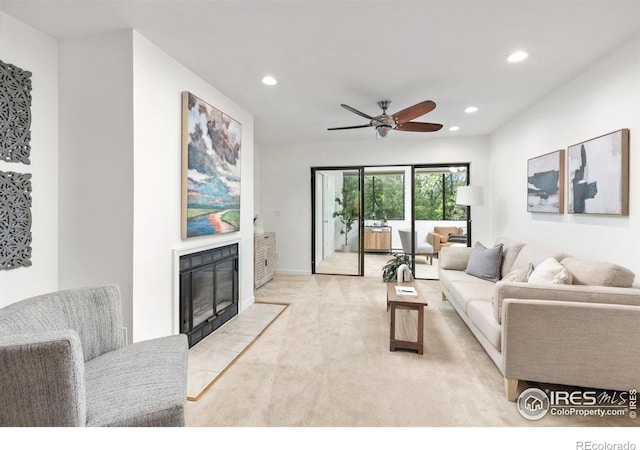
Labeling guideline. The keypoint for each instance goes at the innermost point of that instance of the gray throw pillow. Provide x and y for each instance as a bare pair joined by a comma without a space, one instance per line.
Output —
485,262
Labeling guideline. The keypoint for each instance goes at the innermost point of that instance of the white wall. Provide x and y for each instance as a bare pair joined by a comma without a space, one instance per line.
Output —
602,98
120,170
96,164
158,83
36,52
285,174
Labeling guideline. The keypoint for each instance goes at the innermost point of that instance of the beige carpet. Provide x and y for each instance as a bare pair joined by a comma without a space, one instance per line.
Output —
212,356
326,362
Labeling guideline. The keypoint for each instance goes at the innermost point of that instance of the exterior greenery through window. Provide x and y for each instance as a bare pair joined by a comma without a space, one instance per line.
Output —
383,195
435,195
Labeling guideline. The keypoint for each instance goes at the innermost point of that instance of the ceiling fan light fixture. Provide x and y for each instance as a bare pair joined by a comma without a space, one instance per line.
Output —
454,128
471,109
382,131
401,120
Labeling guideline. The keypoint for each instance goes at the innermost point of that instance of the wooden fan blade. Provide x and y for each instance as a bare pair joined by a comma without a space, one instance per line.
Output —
355,111
349,128
417,110
418,126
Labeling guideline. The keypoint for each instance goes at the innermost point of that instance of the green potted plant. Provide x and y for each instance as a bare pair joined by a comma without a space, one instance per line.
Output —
348,214
390,270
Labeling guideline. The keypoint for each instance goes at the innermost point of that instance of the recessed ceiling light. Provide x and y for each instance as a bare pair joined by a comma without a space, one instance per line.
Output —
269,80
517,56
471,109
454,128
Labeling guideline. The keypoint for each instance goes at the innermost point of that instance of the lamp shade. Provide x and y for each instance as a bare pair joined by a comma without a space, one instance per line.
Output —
470,196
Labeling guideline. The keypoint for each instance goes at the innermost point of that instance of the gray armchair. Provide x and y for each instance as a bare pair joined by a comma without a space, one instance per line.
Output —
422,247
64,362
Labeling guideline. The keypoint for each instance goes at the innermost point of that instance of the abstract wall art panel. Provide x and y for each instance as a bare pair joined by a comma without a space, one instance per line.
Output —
15,220
545,183
15,114
599,175
211,143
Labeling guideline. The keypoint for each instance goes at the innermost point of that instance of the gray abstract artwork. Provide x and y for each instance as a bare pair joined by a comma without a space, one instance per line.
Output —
15,114
15,220
599,175
545,183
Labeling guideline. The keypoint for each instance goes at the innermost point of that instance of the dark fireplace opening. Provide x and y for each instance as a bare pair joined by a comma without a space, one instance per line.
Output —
208,291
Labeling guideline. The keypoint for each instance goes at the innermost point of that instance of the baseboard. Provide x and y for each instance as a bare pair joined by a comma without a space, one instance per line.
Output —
244,304
293,272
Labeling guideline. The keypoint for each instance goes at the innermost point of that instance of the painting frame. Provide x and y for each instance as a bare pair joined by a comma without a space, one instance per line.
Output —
598,175
546,183
211,163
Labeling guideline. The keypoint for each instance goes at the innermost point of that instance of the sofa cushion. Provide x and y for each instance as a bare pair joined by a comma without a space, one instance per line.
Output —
535,255
510,250
485,262
596,273
519,275
481,314
138,385
550,271
466,288
454,258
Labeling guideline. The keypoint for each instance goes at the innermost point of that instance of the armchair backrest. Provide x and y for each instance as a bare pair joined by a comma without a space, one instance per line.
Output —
445,231
94,313
405,240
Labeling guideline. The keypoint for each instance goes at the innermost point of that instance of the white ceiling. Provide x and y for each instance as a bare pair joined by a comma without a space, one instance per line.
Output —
325,53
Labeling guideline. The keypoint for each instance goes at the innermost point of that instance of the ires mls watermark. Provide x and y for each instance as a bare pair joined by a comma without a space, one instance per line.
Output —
534,403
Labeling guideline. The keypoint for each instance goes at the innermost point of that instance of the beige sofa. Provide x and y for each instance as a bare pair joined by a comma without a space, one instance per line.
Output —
582,334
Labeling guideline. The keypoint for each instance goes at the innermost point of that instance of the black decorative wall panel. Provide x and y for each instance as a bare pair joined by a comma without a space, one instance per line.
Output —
15,114
15,220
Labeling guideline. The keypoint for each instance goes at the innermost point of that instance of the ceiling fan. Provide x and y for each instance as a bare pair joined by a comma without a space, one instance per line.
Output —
400,121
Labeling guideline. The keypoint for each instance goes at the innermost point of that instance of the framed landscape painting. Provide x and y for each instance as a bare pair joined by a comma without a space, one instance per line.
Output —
545,183
211,143
599,175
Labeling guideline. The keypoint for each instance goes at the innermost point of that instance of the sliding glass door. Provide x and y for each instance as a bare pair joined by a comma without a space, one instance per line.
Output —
337,221
387,213
361,216
436,216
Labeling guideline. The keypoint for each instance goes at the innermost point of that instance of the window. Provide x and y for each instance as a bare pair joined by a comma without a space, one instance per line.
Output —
383,195
435,195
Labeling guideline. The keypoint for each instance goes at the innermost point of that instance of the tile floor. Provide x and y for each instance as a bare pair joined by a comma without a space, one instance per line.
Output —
211,356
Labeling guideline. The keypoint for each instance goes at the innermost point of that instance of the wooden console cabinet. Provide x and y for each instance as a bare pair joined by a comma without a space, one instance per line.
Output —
264,258
377,239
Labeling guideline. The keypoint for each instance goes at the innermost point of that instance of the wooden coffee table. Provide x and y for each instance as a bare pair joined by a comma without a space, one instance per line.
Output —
414,302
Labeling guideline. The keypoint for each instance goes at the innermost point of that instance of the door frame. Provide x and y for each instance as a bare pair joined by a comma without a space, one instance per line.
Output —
360,221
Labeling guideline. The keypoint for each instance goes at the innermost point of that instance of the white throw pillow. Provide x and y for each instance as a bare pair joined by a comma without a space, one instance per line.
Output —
550,271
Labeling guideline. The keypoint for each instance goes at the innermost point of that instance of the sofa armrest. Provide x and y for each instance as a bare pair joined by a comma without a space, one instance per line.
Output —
42,380
562,292
454,258
571,343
